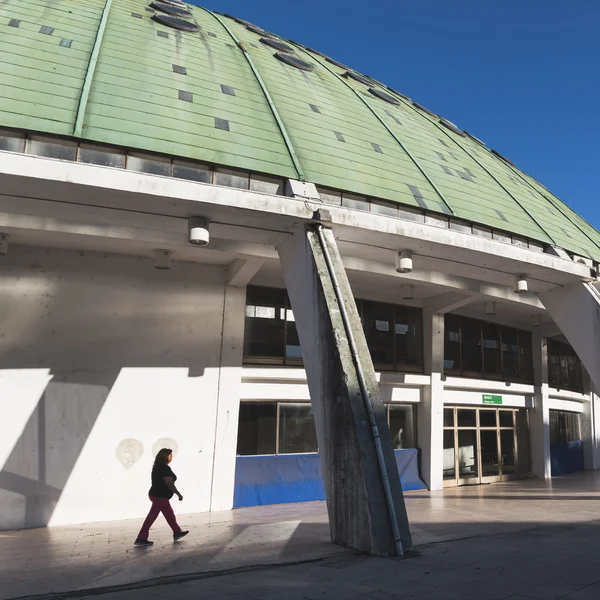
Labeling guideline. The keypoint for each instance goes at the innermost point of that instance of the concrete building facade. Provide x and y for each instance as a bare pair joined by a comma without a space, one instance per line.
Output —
122,332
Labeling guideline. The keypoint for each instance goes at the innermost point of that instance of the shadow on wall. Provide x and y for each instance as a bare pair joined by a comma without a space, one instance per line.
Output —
43,459
38,468
83,327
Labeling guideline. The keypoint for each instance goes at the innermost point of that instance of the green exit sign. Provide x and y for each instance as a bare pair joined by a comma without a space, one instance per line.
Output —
490,399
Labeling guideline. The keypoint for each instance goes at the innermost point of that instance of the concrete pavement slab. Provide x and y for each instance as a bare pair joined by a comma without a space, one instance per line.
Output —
520,538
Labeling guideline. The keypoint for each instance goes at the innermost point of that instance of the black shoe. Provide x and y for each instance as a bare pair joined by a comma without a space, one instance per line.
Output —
143,543
179,535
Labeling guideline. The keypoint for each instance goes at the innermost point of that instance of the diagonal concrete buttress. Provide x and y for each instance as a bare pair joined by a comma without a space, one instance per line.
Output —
364,496
576,311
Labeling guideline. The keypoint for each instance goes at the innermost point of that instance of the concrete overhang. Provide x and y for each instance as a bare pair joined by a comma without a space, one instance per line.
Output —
45,195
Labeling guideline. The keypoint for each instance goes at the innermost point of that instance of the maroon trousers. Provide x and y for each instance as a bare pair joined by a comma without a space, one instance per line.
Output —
159,505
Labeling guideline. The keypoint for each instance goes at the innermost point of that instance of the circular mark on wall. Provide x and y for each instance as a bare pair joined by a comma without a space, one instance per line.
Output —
165,443
129,451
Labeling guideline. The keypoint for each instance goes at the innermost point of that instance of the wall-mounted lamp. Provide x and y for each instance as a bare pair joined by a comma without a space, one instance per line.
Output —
490,308
162,260
3,244
521,284
404,262
198,231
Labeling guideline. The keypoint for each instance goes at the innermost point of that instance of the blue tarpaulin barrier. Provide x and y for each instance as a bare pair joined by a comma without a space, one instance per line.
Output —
287,478
566,457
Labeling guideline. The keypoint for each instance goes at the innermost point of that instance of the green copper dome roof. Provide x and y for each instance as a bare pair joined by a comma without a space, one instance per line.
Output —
114,72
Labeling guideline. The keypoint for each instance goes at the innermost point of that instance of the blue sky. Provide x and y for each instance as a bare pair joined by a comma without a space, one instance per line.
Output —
522,75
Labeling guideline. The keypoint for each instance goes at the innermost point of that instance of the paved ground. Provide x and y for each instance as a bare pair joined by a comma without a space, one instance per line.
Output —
516,541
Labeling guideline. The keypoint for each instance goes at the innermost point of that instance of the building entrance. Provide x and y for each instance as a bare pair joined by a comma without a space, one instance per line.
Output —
485,445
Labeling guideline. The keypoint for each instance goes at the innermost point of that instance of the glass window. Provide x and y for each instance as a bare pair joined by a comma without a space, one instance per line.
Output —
11,142
470,331
506,418
378,323
257,428
266,185
265,322
460,226
536,247
103,157
448,417
483,232
452,343
356,202
507,352
149,164
467,417
490,459
487,418
554,378
492,361
393,333
402,428
507,445
468,448
296,429
436,221
192,172
293,352
564,426
564,367
510,355
382,207
411,214
501,237
235,179
328,196
408,336
449,455
52,148
525,357
574,373
222,124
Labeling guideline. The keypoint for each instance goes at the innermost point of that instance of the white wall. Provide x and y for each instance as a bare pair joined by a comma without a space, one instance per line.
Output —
103,360
282,383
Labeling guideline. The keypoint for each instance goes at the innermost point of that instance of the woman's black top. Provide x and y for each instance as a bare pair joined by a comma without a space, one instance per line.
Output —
159,488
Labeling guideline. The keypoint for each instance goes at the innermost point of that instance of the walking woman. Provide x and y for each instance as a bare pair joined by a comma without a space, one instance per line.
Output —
162,490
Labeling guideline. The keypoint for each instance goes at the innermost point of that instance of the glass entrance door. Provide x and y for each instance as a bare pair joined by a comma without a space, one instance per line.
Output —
467,455
480,445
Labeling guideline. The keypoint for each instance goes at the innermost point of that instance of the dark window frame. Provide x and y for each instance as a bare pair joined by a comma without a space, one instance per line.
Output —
523,341
569,377
411,314
276,420
565,426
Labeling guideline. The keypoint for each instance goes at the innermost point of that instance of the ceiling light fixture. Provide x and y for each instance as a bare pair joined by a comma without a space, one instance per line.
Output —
404,262
521,284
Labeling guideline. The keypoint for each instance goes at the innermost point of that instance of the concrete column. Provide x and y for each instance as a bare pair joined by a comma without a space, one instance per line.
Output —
431,407
539,416
595,428
359,516
589,427
586,422
576,310
228,399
